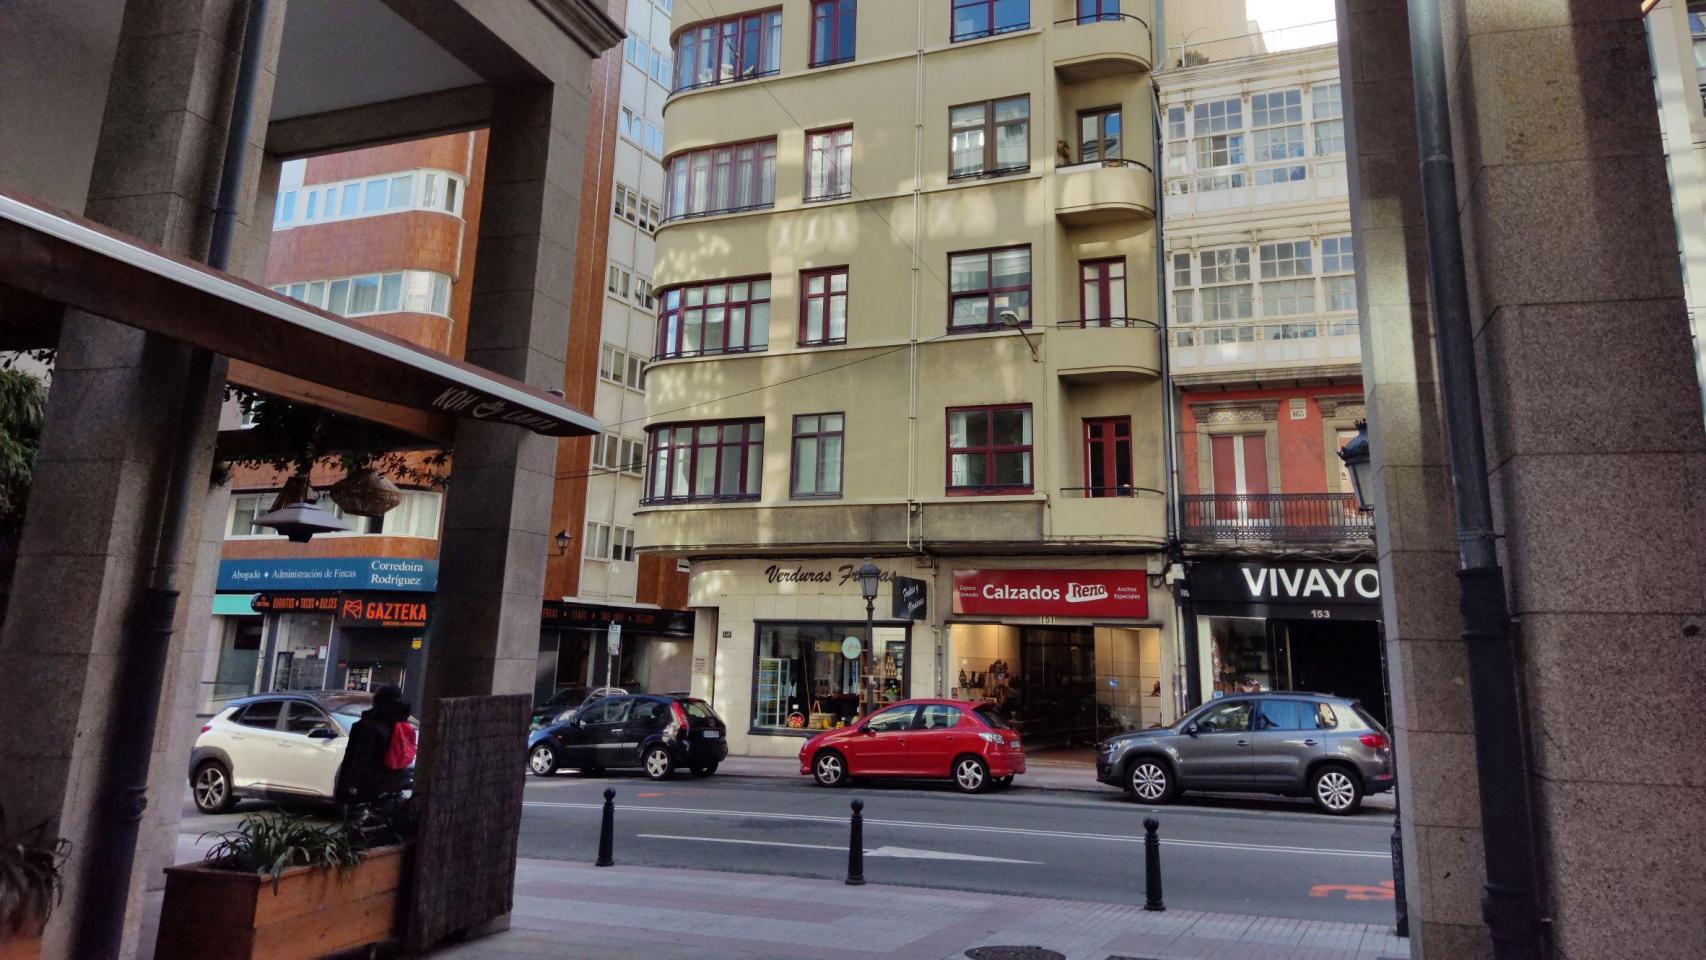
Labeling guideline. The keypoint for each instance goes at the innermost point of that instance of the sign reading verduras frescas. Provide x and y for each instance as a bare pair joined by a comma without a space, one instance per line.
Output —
1052,593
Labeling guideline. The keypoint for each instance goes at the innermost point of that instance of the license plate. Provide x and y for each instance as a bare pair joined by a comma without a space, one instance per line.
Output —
713,734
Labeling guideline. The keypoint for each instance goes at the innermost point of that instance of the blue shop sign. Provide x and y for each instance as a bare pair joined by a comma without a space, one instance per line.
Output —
340,573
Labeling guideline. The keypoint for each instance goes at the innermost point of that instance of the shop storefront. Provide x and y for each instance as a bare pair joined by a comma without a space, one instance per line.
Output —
1068,656
654,653
1286,626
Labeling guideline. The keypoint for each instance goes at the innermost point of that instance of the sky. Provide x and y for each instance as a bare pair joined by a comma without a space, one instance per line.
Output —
1288,24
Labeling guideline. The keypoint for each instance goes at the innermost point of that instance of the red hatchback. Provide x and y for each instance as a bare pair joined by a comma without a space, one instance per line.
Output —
953,739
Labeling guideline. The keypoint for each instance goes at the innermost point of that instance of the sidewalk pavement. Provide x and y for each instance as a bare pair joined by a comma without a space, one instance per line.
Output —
1040,774
574,911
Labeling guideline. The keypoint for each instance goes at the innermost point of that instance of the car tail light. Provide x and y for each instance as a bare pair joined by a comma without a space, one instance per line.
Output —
1376,740
680,715
206,727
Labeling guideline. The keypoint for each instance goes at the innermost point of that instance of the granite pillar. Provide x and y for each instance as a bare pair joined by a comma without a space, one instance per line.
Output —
94,513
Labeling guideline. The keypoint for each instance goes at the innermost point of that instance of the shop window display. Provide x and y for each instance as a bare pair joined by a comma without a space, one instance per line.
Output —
823,675
1240,658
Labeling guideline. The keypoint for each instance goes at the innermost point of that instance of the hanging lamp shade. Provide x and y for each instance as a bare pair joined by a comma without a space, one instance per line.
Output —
300,521
366,493
296,490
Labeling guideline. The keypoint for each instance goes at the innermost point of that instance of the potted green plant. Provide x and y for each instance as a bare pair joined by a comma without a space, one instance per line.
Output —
282,886
31,862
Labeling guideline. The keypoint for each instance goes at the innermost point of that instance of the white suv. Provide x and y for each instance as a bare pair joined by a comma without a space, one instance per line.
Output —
274,746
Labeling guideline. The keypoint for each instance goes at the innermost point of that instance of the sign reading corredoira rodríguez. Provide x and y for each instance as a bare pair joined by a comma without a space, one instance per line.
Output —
1052,593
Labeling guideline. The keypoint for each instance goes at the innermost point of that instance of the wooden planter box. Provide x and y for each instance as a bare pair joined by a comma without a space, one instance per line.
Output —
22,944
214,914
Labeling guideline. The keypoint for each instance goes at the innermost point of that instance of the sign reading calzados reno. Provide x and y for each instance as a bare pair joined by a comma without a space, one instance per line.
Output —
1052,593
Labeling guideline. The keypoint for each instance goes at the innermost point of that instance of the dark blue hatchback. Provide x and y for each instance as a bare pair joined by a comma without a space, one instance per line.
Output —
659,734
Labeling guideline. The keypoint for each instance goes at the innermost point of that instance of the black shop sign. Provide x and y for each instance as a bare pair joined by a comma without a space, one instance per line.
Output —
1304,591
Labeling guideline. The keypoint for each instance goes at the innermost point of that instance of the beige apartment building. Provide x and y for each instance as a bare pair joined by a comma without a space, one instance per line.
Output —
907,308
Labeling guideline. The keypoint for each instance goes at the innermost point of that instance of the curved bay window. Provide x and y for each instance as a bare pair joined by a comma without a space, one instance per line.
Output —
699,462
726,316
726,178
818,675
723,51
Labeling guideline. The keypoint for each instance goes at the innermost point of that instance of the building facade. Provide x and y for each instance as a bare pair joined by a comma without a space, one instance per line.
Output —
1266,360
907,308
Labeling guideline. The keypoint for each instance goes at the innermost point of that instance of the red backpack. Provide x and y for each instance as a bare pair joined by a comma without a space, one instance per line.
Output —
401,753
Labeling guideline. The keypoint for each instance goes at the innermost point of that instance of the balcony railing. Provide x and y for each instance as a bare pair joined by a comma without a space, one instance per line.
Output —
1316,518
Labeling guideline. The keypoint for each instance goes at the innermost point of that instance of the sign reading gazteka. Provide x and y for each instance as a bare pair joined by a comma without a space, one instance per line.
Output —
1052,593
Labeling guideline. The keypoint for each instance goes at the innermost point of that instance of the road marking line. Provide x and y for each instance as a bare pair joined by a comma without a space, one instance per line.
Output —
907,853
1015,831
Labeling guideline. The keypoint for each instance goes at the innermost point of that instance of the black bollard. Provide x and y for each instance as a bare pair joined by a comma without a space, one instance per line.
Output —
856,847
607,830
1152,865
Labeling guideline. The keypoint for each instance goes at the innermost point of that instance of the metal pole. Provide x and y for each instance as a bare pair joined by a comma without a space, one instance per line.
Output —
1510,903
147,637
607,831
1152,866
856,847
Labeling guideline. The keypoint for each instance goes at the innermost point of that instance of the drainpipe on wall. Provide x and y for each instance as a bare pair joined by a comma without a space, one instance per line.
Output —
1510,903
147,638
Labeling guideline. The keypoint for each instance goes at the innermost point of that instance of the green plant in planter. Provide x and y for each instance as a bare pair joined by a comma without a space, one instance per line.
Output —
271,845
30,877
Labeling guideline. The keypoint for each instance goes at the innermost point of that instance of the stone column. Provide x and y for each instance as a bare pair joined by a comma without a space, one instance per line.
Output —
94,512
1597,455
497,522
1415,539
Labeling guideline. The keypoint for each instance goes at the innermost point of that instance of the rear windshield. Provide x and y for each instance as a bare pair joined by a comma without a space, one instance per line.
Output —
992,718
697,710
1367,718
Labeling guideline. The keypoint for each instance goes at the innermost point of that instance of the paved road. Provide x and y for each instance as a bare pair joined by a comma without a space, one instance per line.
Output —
1233,856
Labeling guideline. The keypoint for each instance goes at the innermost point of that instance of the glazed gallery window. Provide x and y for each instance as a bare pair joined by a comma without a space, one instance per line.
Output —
1101,292
722,179
991,138
1099,135
690,462
989,449
983,18
1183,299
833,31
435,190
829,164
723,51
1226,290
816,468
823,307
726,316
406,291
984,284
815,675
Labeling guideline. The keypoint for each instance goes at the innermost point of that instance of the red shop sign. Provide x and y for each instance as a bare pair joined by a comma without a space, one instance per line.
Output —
1052,593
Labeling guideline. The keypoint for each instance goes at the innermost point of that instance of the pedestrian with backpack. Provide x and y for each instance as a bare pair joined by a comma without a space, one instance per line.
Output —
381,748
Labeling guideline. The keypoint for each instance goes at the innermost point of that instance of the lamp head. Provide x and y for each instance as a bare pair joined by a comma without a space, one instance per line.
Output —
869,576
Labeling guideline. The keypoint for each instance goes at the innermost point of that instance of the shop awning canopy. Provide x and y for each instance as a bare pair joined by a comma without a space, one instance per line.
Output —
53,256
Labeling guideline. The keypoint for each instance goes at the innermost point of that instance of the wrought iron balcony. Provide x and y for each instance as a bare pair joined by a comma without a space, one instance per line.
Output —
1298,518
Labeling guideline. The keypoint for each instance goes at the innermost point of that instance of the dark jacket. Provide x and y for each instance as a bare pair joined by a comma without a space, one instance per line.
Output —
363,776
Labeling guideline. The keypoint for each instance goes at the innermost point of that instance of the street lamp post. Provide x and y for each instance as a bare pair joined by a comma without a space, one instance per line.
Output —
869,576
1355,455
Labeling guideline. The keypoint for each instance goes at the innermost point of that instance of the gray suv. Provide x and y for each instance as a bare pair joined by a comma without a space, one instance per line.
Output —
1299,744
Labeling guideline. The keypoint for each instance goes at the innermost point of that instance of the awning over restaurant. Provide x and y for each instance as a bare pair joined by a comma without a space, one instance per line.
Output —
69,260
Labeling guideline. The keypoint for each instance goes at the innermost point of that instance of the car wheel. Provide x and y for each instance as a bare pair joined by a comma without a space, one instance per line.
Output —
1335,790
542,761
830,769
212,788
657,764
971,774
705,770
1149,780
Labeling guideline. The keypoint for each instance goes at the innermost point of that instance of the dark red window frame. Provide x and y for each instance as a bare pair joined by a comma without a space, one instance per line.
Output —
991,292
988,449
673,184
811,303
989,27
819,434
836,23
834,161
1107,447
743,37
672,316
1092,11
1111,314
661,439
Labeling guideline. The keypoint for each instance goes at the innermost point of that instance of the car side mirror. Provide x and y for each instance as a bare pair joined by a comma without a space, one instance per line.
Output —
1191,729
865,729
322,733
